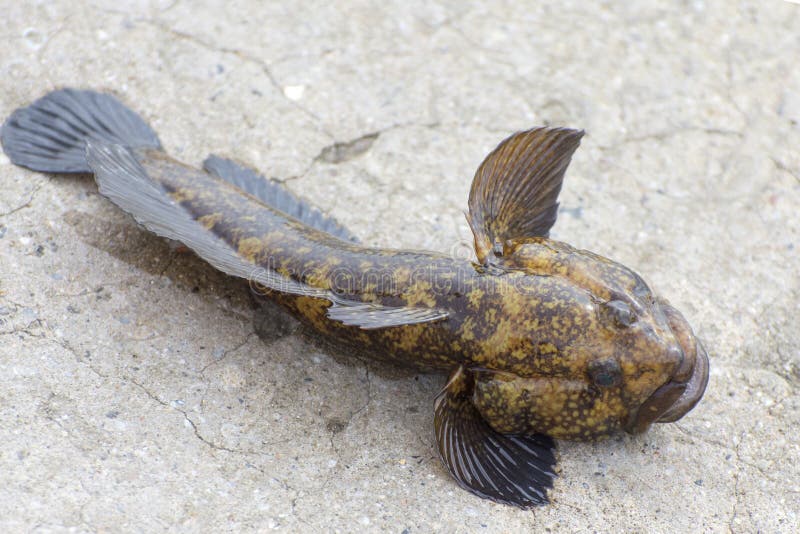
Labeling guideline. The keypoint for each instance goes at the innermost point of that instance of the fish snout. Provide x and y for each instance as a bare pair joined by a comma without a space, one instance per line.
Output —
683,391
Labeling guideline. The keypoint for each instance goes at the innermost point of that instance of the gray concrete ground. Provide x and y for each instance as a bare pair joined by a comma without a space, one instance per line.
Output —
134,393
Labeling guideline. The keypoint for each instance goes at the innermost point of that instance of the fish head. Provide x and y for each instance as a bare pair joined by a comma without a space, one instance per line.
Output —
604,354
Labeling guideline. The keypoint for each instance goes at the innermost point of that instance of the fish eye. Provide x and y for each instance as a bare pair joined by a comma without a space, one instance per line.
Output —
622,312
605,373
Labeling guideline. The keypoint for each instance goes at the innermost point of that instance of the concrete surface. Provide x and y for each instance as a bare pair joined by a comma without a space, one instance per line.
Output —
134,393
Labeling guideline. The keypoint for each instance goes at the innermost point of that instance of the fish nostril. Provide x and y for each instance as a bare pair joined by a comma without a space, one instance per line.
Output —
684,342
683,369
622,312
675,353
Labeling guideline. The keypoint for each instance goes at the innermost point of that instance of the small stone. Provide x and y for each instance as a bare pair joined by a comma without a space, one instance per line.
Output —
33,38
294,92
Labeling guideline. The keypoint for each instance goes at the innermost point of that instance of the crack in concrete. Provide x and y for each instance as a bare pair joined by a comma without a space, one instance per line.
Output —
226,352
781,166
358,410
343,151
244,56
196,431
27,203
26,328
728,448
729,85
82,508
346,150
735,510
449,23
788,382
366,404
50,37
85,360
216,361
186,417
664,135
49,415
96,289
336,152
170,260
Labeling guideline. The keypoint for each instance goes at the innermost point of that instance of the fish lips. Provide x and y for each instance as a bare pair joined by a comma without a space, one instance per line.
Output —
684,390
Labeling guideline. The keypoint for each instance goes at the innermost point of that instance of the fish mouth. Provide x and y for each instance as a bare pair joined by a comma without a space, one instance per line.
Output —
683,391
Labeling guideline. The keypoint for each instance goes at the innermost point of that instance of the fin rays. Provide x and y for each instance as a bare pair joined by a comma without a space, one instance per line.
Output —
51,133
274,194
514,194
124,181
509,469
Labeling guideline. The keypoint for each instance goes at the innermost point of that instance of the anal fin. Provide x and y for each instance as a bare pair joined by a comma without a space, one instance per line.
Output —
123,180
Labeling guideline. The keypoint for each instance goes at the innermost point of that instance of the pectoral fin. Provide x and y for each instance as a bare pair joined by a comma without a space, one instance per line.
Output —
371,316
515,191
509,469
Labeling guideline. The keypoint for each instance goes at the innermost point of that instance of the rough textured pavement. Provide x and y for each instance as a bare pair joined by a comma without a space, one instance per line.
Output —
134,392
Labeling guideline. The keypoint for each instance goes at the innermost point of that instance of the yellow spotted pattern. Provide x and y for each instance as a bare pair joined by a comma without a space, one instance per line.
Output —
528,330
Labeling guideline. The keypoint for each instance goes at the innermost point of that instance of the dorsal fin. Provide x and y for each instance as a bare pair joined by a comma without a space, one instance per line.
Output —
514,194
276,195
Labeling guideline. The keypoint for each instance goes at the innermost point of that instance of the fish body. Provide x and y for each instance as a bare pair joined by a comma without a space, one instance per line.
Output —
541,340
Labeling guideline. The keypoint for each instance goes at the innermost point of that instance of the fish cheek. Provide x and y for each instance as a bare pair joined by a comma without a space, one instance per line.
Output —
559,407
511,404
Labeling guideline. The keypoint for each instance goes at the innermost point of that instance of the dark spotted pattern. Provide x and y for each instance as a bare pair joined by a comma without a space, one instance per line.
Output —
542,340
535,326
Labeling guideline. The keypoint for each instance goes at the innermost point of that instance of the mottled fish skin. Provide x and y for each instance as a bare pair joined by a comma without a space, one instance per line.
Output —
537,325
541,340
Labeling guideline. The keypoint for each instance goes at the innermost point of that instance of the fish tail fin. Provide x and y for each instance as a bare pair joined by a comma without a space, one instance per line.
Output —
50,135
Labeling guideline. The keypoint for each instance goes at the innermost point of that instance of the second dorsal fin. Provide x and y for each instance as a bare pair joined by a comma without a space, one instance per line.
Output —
276,195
